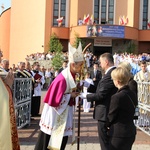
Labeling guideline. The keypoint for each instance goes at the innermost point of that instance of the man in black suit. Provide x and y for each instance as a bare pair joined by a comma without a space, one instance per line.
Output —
20,71
96,76
102,97
64,65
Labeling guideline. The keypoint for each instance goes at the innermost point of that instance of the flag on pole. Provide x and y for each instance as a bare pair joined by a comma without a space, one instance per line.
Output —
86,19
148,24
91,20
60,20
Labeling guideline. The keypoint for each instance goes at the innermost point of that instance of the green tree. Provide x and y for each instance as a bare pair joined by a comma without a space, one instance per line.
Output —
54,44
57,61
131,47
77,40
56,47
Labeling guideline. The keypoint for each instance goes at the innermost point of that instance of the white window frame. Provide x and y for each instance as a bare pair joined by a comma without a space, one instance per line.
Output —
66,14
100,3
141,14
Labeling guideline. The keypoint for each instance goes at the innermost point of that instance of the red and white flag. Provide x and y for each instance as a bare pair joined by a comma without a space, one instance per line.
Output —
123,20
86,19
148,24
60,20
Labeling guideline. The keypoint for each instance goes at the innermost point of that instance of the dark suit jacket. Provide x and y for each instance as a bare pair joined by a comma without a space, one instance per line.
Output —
60,70
21,75
104,91
121,112
98,77
133,85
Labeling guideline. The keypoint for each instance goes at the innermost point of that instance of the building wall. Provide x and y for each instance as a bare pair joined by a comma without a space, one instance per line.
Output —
131,33
144,35
136,13
73,13
27,28
85,10
120,10
48,23
130,12
129,9
144,47
5,32
78,9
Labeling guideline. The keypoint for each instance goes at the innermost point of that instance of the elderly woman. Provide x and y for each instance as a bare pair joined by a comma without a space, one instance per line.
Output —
132,83
8,129
122,130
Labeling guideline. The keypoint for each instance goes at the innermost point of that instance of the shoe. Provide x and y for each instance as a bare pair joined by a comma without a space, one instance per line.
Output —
32,119
86,111
38,115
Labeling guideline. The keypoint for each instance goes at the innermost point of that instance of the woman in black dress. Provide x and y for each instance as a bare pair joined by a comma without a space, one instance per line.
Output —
121,128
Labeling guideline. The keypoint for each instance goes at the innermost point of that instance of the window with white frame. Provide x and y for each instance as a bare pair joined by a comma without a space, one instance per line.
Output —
103,11
59,10
110,12
96,11
145,14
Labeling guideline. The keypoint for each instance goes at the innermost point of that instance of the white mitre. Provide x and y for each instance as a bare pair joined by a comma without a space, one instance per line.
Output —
75,55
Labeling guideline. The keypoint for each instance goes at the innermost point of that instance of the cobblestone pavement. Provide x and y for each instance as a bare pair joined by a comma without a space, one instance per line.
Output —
88,135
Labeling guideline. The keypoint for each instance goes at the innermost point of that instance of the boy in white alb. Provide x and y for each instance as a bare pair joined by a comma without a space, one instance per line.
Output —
87,105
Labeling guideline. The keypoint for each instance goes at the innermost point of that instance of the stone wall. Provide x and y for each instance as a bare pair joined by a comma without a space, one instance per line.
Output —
46,63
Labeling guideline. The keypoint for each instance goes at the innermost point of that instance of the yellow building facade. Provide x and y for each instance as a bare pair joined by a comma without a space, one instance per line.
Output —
113,25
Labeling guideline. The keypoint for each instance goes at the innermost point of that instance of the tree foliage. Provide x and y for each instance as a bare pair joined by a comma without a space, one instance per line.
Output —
54,44
77,40
56,47
57,61
131,47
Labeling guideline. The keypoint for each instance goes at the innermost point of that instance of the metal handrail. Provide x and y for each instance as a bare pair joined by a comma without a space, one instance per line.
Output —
143,122
22,93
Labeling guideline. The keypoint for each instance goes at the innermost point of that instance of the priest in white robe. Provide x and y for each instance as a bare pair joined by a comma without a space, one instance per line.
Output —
8,129
56,122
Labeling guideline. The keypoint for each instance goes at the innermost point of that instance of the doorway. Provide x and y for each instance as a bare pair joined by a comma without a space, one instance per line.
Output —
97,50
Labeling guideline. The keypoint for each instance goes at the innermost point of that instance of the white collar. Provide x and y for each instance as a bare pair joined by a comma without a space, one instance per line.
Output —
109,69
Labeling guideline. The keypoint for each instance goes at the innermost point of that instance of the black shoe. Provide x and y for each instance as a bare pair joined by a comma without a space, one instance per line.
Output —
38,115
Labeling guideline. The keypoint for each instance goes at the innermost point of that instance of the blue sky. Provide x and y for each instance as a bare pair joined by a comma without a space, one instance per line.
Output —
5,3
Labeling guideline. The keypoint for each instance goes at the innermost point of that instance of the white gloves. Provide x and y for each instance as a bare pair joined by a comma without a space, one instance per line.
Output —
83,95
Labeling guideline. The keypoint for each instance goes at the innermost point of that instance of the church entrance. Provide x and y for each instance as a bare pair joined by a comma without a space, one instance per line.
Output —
98,50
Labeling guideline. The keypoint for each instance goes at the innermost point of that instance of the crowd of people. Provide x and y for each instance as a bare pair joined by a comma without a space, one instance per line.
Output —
109,85
44,56
90,59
